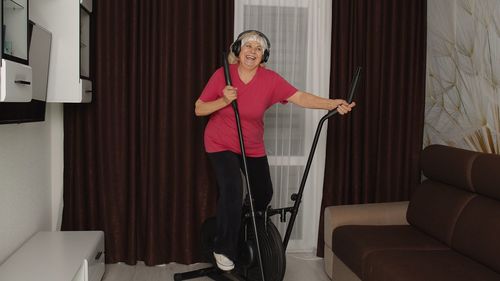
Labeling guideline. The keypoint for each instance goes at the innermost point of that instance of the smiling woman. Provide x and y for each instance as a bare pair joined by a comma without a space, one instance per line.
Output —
255,89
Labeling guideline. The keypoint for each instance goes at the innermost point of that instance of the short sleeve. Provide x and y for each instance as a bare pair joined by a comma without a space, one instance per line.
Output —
213,88
282,90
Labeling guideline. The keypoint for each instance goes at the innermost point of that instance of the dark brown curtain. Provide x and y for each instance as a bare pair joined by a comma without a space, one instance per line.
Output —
373,154
134,163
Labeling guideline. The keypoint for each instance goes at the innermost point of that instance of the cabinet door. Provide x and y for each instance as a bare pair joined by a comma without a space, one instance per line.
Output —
15,30
63,19
87,4
15,81
84,43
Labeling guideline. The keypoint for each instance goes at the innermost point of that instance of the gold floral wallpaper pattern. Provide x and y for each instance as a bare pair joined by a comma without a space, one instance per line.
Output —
463,74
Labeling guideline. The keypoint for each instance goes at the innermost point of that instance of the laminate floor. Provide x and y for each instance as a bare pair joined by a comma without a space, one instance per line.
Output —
300,267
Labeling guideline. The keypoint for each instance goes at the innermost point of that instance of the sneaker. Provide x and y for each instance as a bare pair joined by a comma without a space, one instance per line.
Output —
223,262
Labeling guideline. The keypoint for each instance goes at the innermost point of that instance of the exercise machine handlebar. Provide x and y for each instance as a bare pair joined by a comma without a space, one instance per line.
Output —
234,104
298,197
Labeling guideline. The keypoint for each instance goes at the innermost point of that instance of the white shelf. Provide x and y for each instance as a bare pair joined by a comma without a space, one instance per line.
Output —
57,256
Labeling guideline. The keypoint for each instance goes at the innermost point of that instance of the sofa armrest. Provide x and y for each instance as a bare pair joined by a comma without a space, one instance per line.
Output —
392,213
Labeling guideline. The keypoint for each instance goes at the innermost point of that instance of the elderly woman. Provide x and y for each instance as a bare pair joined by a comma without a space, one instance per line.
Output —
255,88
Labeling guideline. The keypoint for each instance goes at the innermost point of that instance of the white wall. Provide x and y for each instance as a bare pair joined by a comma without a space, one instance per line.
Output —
30,179
31,172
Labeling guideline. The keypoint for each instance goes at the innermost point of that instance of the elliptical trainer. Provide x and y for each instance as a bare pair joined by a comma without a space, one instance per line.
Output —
262,252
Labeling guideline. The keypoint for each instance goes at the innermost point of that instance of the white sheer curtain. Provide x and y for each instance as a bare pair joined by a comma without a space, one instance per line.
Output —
300,35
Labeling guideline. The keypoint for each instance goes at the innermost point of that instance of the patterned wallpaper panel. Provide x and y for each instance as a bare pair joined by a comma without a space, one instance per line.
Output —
463,74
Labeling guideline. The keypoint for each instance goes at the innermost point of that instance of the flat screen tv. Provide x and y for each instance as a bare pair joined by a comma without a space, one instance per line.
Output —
39,56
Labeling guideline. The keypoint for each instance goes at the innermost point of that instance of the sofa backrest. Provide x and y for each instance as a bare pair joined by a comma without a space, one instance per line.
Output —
459,202
485,175
436,204
477,232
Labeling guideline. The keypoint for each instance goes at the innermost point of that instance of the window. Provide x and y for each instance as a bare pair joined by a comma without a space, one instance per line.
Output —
300,32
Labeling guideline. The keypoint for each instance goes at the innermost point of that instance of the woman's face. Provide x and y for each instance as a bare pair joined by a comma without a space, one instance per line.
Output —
251,54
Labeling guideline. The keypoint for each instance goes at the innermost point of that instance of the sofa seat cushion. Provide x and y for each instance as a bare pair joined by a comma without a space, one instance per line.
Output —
440,265
353,243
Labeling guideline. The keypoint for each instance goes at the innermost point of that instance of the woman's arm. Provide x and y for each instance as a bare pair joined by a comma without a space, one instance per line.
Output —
307,100
202,108
206,108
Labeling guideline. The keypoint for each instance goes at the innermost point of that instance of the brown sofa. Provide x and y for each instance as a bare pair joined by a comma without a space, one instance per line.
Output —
450,230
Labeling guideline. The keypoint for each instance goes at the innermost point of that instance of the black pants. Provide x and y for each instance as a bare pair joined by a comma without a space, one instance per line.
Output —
227,166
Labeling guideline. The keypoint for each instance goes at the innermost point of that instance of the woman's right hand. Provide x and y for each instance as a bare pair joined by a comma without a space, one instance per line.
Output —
229,94
206,108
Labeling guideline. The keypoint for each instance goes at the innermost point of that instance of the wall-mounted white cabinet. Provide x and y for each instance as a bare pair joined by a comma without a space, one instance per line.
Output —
15,73
70,78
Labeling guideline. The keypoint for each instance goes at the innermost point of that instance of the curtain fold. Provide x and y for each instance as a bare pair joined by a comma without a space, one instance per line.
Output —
373,153
134,161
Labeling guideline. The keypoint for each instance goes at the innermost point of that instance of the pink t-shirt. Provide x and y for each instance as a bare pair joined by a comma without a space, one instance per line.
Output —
254,98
